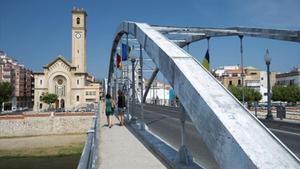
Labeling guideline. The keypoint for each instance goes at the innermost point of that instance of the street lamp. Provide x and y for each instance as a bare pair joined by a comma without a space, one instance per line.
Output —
268,62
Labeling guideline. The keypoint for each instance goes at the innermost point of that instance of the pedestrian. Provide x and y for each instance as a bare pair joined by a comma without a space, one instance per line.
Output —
109,109
121,107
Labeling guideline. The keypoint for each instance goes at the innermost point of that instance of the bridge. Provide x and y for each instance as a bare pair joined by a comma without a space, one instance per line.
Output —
230,134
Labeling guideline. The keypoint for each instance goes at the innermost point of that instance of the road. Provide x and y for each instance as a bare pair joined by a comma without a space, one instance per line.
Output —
164,122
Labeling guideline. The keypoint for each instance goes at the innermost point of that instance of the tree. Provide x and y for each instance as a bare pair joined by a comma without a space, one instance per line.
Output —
250,95
6,91
290,93
278,93
49,98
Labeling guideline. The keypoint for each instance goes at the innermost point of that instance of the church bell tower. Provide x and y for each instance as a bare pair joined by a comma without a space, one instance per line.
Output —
79,39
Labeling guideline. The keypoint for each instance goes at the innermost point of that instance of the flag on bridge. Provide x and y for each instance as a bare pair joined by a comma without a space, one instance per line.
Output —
125,53
205,61
119,61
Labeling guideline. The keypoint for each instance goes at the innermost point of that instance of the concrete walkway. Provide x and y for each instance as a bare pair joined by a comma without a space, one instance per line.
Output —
120,149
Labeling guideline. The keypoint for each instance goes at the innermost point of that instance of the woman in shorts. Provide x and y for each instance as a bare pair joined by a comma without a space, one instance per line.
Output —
121,107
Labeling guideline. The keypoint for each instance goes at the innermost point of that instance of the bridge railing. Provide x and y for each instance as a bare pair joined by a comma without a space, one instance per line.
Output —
89,154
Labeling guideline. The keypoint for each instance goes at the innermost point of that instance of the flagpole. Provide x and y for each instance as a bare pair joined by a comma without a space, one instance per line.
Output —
208,38
208,43
188,48
242,68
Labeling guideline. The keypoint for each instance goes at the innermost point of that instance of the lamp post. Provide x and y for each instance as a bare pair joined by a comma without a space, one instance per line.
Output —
268,62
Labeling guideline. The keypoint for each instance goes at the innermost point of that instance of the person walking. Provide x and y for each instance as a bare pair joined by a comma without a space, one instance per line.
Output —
109,109
121,107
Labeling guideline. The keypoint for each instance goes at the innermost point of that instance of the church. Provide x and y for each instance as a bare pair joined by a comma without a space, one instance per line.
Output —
68,80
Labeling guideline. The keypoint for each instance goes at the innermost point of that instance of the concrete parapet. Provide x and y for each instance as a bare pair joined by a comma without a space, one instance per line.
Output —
44,124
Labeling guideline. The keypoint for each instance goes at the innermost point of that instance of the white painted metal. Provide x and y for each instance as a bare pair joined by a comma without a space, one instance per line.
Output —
234,136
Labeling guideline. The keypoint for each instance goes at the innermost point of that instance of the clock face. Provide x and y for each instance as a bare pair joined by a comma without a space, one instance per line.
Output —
77,35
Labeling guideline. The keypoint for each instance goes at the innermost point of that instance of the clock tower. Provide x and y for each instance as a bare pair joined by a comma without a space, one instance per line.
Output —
79,39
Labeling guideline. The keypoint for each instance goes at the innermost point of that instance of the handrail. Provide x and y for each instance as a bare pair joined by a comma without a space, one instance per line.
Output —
89,154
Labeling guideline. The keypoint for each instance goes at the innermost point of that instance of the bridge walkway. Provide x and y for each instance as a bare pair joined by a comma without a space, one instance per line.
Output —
119,148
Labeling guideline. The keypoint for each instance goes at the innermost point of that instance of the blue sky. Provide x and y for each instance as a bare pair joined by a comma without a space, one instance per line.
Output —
35,32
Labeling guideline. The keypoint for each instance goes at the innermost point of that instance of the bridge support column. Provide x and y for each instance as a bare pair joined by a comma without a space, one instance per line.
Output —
184,156
127,116
142,89
133,86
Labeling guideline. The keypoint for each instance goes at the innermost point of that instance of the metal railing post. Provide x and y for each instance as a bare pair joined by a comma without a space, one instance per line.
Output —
133,86
185,156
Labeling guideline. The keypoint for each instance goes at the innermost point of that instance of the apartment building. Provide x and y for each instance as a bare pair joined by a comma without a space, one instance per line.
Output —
21,80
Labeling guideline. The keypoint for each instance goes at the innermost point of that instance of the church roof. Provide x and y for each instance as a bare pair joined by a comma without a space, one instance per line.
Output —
59,57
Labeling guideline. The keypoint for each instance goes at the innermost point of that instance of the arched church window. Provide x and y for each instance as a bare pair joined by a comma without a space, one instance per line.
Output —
78,20
77,98
60,87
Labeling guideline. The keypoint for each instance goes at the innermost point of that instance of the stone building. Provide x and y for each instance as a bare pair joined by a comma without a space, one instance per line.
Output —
69,80
21,79
253,78
289,78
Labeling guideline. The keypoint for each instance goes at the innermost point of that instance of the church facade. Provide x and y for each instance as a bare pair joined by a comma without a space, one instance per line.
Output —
69,80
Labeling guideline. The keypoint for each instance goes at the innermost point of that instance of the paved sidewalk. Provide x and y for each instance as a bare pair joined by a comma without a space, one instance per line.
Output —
120,149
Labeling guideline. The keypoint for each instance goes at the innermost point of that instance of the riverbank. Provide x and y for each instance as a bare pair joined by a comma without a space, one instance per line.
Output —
41,152
41,146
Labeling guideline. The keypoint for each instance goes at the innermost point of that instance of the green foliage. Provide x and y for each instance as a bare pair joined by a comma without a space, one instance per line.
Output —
6,91
250,95
236,91
49,98
290,93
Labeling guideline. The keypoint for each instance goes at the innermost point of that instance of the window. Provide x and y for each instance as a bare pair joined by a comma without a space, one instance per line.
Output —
230,83
261,78
78,20
41,98
77,98
239,82
77,82
41,82
41,105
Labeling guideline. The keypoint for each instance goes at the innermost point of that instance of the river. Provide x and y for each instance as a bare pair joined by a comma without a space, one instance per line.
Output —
55,162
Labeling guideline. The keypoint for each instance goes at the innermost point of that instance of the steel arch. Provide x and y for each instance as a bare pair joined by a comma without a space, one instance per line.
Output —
230,131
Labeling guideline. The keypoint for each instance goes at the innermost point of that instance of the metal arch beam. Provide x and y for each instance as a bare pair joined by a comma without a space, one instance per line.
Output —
150,83
285,35
229,130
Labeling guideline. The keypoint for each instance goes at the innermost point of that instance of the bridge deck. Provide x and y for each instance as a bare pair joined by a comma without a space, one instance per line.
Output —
119,148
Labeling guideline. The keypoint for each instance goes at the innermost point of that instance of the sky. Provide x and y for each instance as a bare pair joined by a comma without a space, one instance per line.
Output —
34,32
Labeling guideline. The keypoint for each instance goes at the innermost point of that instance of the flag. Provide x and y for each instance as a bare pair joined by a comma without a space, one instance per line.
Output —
205,61
119,61
124,51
